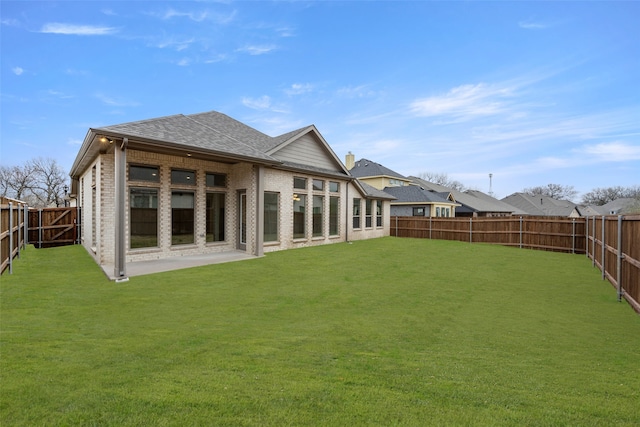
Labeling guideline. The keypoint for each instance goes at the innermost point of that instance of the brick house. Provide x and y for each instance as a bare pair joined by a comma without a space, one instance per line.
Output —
206,183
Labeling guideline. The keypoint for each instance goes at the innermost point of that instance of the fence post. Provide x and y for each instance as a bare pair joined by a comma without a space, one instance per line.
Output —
594,241
520,232
396,226
39,228
586,234
470,229
573,236
429,226
603,248
619,260
26,226
10,238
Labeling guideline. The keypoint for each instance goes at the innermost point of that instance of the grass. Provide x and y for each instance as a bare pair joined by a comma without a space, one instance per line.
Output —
380,332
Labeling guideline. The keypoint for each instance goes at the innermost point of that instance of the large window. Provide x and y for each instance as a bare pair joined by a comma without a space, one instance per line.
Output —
182,218
334,209
299,216
143,218
181,177
419,211
271,217
378,213
368,214
356,213
300,183
318,217
216,180
144,173
318,185
215,217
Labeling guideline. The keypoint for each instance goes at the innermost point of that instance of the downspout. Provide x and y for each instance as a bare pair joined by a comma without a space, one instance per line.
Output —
120,267
259,236
346,204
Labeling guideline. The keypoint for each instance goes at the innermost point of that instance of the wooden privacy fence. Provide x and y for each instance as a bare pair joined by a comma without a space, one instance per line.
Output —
13,231
558,234
613,243
54,227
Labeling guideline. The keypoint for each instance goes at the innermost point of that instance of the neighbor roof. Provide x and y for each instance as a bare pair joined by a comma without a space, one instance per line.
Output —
540,205
367,168
414,194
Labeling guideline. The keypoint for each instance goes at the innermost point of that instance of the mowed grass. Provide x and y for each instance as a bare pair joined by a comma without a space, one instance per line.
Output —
380,332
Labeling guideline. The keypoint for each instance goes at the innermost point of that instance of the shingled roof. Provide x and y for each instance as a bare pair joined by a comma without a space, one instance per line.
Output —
366,168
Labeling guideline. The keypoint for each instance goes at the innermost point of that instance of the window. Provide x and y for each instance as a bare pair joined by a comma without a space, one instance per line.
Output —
318,185
215,217
216,180
334,209
418,211
300,183
448,212
437,212
299,216
271,217
368,218
334,187
144,173
181,177
378,213
317,220
182,218
143,218
356,213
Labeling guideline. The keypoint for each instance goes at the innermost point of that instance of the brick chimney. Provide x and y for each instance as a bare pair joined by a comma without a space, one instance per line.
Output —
350,161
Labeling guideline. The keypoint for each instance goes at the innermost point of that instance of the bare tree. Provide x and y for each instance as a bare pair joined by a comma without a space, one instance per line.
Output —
601,196
50,182
39,182
442,179
555,191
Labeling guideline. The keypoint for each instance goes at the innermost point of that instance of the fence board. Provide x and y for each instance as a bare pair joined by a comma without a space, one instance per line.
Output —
12,235
53,226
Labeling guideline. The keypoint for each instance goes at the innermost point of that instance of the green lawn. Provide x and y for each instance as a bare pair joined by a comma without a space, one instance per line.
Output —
380,332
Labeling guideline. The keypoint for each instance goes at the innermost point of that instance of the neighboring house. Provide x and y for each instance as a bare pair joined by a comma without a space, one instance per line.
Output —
540,205
410,200
620,206
472,203
206,183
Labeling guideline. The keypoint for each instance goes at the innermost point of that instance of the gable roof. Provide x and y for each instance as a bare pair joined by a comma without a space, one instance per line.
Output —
414,194
211,135
367,168
540,205
371,192
471,200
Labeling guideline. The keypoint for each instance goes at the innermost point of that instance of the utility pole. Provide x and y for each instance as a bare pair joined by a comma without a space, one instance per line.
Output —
491,184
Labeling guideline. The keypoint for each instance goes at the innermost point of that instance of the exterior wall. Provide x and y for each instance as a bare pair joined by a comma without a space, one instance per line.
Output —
240,177
281,182
364,232
236,179
407,210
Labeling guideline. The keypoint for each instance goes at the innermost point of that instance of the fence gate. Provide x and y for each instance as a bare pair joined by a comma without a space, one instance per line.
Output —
53,227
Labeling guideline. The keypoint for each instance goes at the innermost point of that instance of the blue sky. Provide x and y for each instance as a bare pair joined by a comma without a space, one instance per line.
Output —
532,92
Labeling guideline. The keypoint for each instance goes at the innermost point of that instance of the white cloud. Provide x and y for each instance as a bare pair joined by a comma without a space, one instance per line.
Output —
258,50
532,25
362,91
615,151
115,102
177,44
465,102
262,103
78,30
299,89
183,62
17,71
199,16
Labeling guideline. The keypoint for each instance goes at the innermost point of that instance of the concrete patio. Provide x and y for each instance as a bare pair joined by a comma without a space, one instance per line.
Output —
141,268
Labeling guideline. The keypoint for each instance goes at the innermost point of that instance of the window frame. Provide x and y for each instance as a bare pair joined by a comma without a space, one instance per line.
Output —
133,224
276,223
